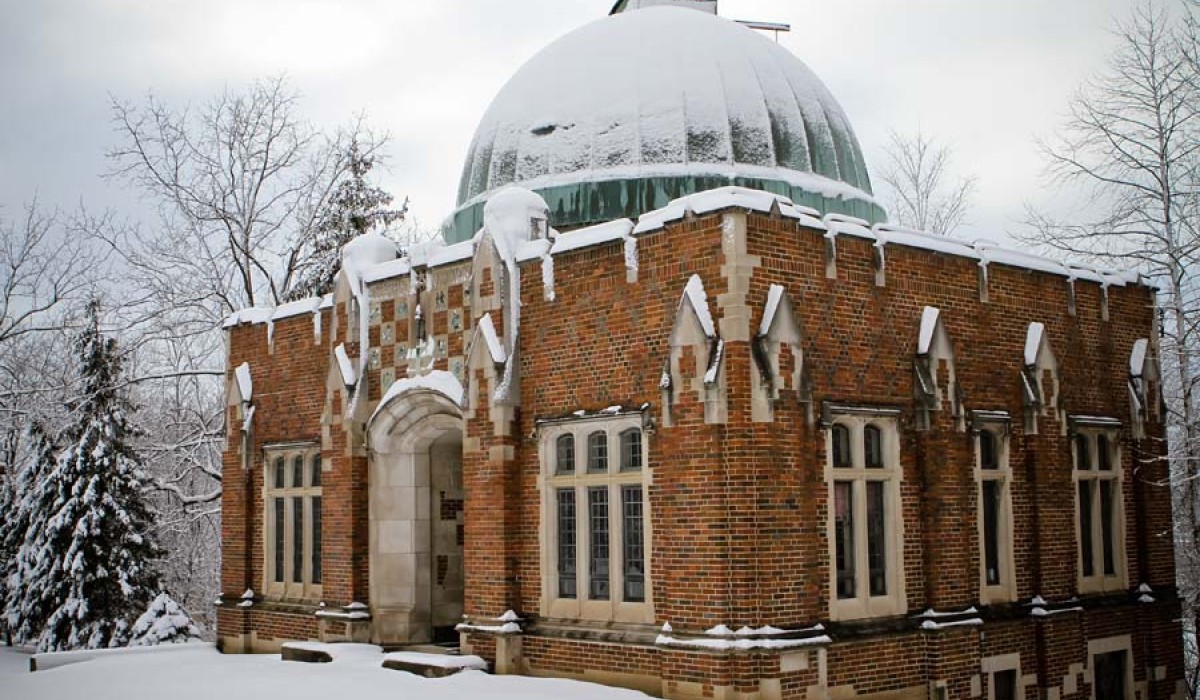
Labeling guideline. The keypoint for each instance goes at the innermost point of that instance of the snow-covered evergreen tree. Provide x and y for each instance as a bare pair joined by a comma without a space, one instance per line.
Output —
165,622
22,518
87,566
355,207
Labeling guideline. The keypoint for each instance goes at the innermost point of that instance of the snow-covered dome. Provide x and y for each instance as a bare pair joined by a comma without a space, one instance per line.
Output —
633,110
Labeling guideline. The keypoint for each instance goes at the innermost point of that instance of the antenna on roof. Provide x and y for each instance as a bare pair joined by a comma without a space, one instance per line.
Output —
775,27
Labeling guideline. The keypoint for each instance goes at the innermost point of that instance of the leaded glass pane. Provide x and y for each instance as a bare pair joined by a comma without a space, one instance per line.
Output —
297,472
1108,546
279,471
1083,457
297,540
991,532
316,539
598,452
631,450
876,538
279,533
1104,453
988,457
316,471
598,588
1085,528
566,542
843,526
873,447
841,446
564,454
633,541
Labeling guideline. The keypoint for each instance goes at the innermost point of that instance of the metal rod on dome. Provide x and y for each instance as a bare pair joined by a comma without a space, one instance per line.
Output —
775,27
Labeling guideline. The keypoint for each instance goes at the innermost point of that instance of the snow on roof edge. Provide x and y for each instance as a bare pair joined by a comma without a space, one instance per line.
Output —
438,380
929,320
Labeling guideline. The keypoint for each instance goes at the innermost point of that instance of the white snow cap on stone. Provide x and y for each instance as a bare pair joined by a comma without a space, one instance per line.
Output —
1137,358
345,366
244,384
495,348
929,321
694,292
438,380
367,250
774,296
509,217
1033,342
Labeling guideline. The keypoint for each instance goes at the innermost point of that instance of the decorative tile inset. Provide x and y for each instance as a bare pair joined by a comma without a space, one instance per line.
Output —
373,356
440,348
387,377
401,353
457,369
375,313
401,309
439,301
456,320
387,334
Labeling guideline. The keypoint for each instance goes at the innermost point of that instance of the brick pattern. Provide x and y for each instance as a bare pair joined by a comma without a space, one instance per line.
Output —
739,508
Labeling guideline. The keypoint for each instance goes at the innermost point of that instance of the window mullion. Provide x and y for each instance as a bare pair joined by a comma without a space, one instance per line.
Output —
862,564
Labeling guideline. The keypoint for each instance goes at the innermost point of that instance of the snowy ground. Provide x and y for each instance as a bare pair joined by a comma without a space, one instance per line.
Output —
202,674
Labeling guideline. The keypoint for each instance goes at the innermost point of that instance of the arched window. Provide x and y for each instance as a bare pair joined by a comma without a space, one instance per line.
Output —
1104,453
841,447
316,470
598,452
988,457
873,447
1083,457
279,472
564,454
631,450
298,472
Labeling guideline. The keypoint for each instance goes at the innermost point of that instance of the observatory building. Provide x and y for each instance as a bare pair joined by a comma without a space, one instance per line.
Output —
673,407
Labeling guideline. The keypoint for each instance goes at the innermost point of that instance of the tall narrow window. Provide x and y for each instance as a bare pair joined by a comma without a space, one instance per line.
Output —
565,499
995,514
991,532
843,495
597,452
631,450
876,538
841,446
1099,508
598,551
872,447
292,541
279,537
1086,543
864,524
316,538
633,540
564,454
297,540
598,588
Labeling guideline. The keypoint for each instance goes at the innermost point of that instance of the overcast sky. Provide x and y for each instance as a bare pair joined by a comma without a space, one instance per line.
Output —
988,77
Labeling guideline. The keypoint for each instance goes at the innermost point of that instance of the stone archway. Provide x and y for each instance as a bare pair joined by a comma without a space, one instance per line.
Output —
415,510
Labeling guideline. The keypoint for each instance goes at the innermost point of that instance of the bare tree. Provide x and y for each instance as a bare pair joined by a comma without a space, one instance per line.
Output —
240,182
1132,143
925,194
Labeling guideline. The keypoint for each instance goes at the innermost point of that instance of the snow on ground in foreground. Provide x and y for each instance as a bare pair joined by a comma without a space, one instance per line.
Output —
204,674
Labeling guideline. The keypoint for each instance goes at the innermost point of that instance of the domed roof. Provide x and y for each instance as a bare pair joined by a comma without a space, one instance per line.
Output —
636,109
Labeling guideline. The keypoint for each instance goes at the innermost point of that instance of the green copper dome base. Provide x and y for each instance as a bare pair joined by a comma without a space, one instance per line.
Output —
586,203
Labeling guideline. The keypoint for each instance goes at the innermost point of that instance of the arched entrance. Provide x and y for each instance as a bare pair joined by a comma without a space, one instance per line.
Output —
416,518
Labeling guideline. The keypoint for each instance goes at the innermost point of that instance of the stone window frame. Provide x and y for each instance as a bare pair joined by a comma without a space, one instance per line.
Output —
311,487
1005,591
1105,645
991,665
863,605
1089,433
582,607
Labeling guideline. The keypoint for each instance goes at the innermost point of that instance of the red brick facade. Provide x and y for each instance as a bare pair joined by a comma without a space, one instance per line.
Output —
738,504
